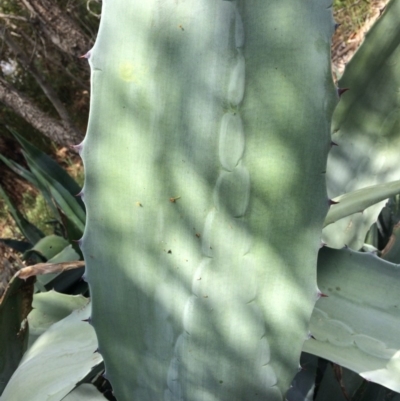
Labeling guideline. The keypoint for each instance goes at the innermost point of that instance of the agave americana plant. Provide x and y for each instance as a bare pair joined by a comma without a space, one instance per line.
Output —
210,168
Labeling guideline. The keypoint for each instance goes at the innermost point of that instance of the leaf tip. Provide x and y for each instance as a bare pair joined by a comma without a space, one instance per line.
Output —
86,55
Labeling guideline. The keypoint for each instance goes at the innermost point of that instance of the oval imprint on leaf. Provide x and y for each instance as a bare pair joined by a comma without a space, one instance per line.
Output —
232,192
231,141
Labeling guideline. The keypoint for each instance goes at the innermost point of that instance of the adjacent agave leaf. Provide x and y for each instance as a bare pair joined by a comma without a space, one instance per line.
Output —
28,230
47,247
30,177
62,282
48,166
49,308
85,392
15,305
57,361
56,185
19,170
68,203
366,126
358,201
357,324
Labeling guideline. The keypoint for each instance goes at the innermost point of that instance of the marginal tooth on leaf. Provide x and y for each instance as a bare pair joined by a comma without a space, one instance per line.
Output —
321,294
340,91
310,336
105,376
88,320
81,194
322,244
337,26
78,241
332,202
334,144
86,55
77,148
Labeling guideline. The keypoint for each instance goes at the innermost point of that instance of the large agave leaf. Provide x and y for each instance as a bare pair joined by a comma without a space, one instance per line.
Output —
366,126
205,115
357,325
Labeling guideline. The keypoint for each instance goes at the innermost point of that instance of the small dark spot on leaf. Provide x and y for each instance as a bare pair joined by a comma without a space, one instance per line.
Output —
169,251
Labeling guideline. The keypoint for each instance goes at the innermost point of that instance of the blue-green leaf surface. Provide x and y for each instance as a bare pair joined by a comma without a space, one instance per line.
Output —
205,166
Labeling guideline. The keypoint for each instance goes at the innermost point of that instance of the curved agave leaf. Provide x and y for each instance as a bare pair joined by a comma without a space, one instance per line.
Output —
357,324
47,247
358,201
61,357
49,308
